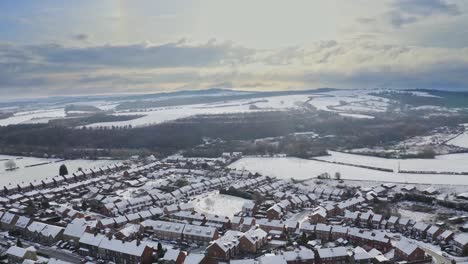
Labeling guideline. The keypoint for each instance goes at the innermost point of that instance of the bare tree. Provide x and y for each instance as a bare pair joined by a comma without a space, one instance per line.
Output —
338,176
10,165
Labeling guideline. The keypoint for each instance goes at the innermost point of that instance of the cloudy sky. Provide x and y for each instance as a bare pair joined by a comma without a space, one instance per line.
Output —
110,46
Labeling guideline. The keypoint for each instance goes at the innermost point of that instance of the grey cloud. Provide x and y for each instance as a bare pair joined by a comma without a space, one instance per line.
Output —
410,11
81,37
442,76
44,69
427,7
143,56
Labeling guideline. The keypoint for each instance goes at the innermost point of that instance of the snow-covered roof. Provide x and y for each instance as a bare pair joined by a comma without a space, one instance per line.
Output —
7,218
298,255
22,222
36,226
332,252
201,231
421,226
361,254
164,226
18,251
76,228
255,234
461,238
51,231
171,254
92,239
194,258
275,259
406,246
133,248
228,241
322,227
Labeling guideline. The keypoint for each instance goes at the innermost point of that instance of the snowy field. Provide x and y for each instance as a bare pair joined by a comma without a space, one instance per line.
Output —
23,174
357,116
159,115
359,102
286,168
218,204
33,117
349,103
443,163
460,141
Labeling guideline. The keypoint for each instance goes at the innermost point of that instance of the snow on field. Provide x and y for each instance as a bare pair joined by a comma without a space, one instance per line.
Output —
415,216
218,204
29,174
33,117
350,101
160,115
357,116
286,168
445,163
460,141
361,102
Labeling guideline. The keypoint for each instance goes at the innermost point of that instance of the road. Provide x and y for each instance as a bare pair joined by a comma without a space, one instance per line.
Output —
437,259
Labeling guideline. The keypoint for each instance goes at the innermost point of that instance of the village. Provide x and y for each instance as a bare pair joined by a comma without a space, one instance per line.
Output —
151,211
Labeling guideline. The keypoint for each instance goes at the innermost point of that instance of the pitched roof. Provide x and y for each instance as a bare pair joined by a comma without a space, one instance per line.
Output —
406,246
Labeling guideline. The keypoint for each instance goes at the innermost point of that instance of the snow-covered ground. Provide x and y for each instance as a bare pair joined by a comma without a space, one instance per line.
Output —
353,103
33,117
164,114
357,116
443,163
218,204
286,168
23,174
460,141
415,216
350,103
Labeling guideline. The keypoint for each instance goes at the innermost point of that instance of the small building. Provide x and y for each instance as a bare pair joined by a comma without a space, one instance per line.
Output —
75,230
333,255
8,221
252,240
323,232
391,223
274,212
433,232
460,245
419,229
89,244
364,219
361,256
299,256
122,252
51,234
22,223
445,236
319,215
19,255
225,247
408,251
376,221
199,234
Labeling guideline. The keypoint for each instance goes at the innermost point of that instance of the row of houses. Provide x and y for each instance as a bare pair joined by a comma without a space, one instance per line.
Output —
417,230
61,180
279,209
235,242
33,230
173,231
115,250
122,206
